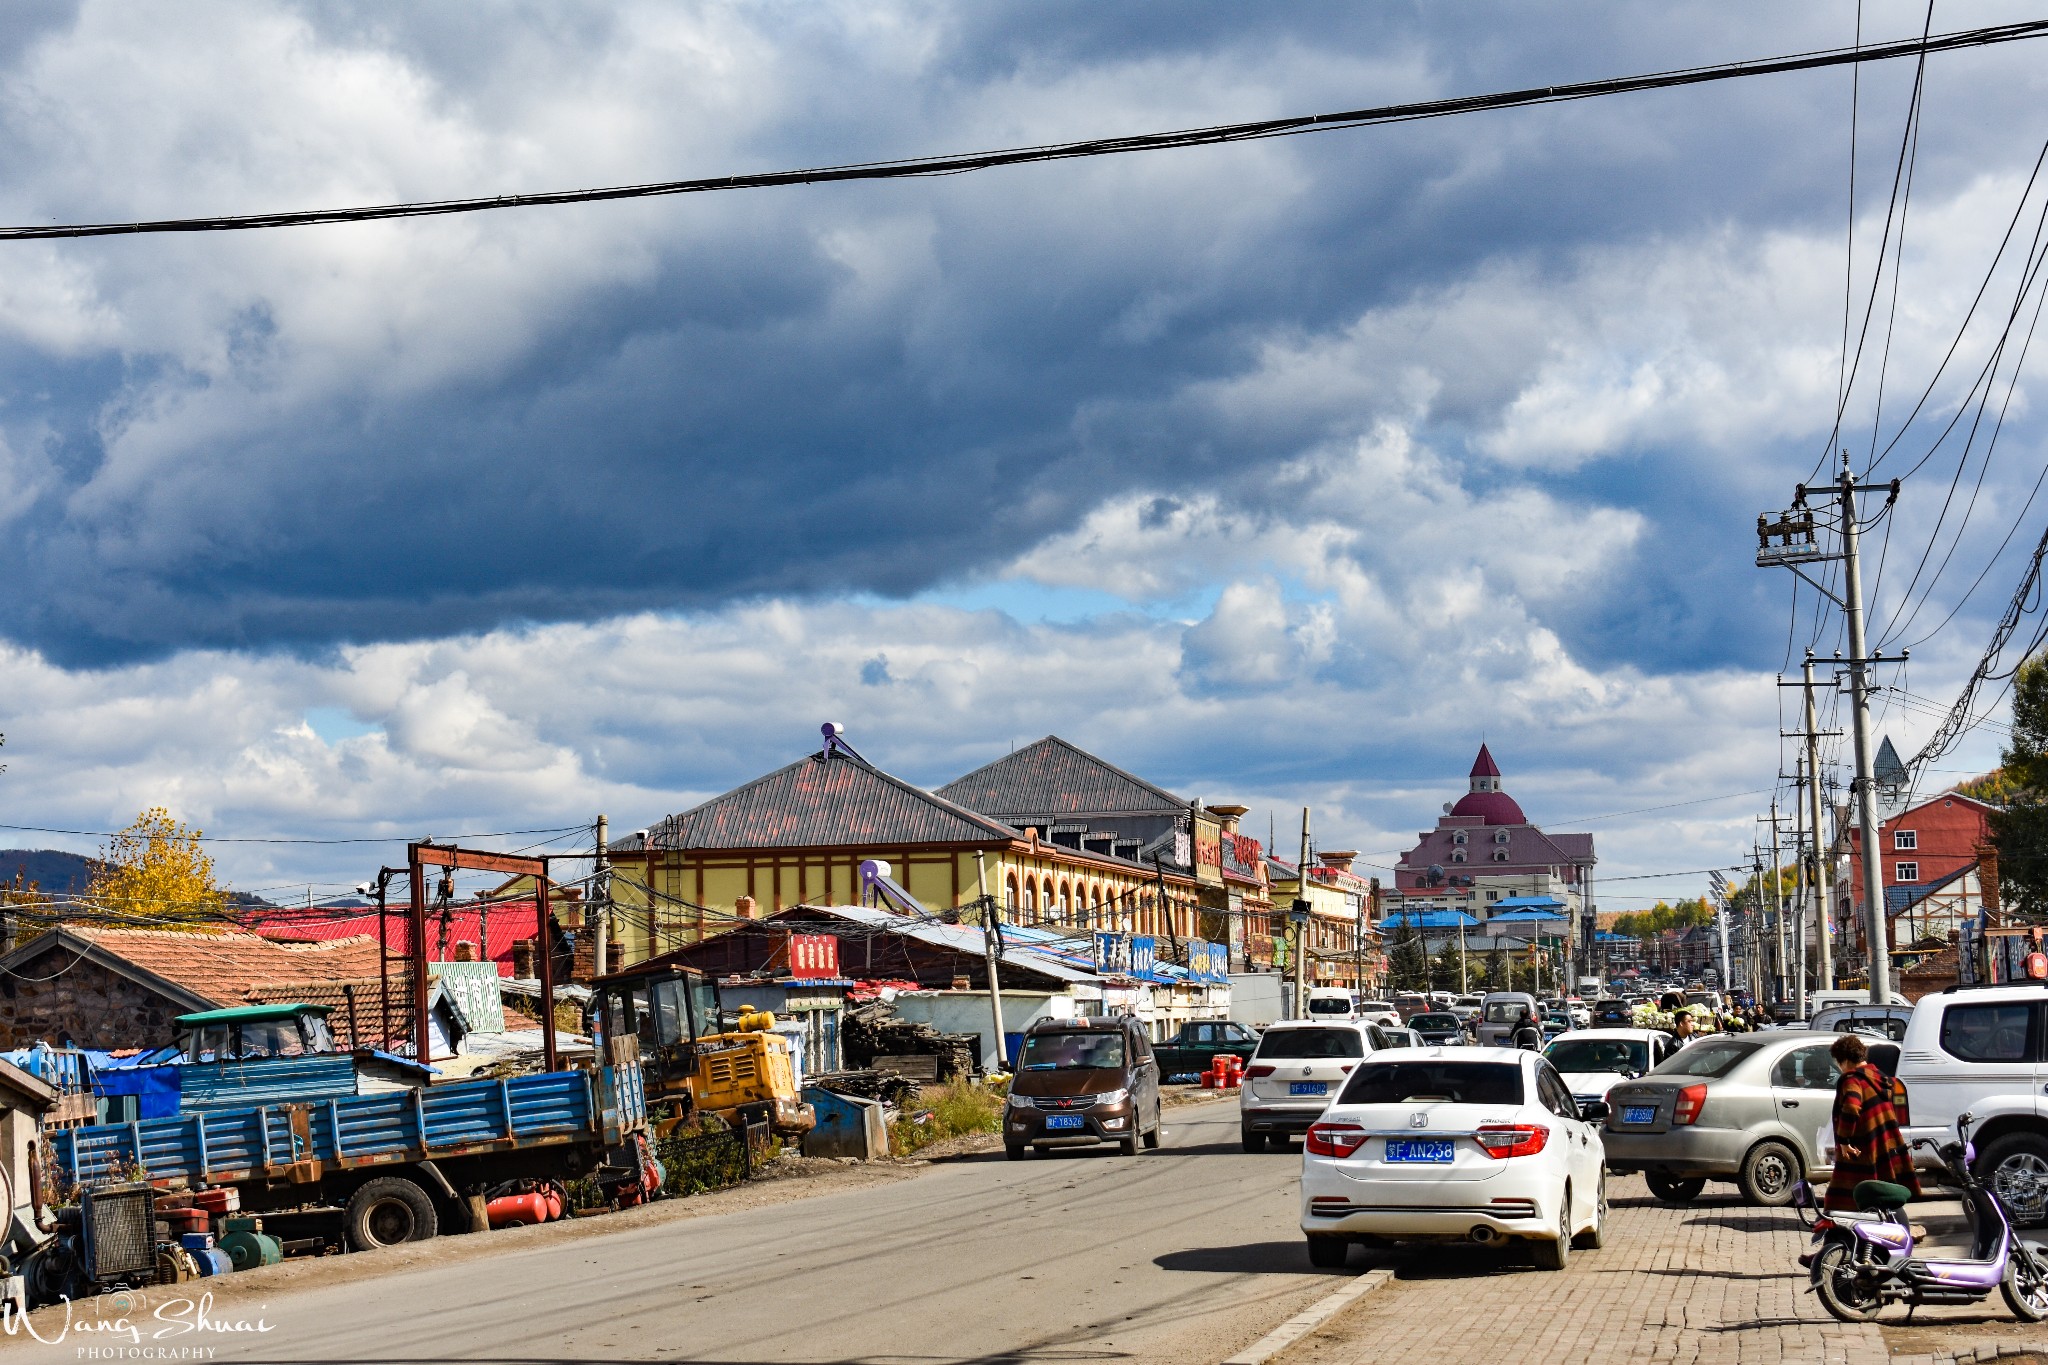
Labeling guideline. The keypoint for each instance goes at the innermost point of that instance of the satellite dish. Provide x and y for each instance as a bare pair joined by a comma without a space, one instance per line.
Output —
1447,808
1436,874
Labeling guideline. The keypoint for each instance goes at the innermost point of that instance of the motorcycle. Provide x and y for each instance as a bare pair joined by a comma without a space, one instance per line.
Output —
1861,1261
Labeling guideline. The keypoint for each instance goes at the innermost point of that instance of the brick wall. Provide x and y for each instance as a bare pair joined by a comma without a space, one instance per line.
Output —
57,995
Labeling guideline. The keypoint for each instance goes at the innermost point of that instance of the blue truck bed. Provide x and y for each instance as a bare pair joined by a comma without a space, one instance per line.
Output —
303,1141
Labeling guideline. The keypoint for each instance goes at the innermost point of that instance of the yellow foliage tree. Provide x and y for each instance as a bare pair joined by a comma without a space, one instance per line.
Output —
155,871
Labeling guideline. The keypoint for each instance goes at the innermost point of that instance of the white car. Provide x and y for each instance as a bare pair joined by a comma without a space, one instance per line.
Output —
1978,1048
1468,1144
1591,1060
1378,1012
1288,1081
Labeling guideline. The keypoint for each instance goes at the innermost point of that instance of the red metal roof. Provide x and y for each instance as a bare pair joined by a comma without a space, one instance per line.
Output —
1484,766
510,921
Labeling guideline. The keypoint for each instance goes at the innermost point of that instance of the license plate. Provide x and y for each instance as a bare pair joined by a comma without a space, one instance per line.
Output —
1064,1120
1436,1153
1639,1113
1308,1087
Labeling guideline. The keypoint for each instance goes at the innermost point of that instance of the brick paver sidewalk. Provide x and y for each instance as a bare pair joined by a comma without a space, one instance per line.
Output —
1716,1282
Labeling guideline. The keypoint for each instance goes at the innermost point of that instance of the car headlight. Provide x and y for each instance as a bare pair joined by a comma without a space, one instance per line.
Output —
1113,1097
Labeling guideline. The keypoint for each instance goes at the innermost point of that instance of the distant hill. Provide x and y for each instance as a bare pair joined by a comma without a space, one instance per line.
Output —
58,873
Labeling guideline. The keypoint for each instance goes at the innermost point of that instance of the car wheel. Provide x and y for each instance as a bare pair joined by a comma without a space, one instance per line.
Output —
1129,1146
1253,1142
1770,1175
2016,1167
1595,1237
1014,1150
1328,1253
1152,1133
1553,1253
1673,1190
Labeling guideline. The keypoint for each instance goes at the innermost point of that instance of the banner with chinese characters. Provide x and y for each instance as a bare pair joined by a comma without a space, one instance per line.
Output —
1123,954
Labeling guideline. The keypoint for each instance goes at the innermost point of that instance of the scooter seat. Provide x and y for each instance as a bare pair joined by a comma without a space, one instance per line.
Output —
1881,1194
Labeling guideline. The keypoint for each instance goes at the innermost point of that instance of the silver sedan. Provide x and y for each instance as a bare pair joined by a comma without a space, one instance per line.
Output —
1751,1109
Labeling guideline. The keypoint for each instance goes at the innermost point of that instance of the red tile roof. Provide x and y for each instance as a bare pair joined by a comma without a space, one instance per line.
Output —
225,967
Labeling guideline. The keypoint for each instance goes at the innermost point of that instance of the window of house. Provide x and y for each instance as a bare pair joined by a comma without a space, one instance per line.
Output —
1457,855
1500,855
1500,836
1907,872
1905,839
1459,837
1493,895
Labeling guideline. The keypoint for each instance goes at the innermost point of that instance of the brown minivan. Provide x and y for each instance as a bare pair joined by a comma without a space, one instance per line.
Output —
1080,1082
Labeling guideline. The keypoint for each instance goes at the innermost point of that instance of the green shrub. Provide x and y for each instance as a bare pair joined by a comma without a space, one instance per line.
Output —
954,1109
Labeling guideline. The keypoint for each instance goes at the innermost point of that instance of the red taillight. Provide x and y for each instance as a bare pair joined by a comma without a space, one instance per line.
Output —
1503,1140
1686,1109
1258,1071
1346,1068
1333,1139
1821,1225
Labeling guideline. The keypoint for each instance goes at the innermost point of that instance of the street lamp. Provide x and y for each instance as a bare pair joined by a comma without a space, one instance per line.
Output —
1297,915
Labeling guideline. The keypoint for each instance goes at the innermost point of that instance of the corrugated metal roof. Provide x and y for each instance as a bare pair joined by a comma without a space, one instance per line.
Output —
828,800
967,939
1053,777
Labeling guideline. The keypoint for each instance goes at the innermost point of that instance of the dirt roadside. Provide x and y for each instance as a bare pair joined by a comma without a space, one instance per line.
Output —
786,1180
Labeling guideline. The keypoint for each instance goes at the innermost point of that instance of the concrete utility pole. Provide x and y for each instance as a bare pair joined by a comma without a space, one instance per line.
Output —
1778,905
1823,865
1301,925
601,902
990,927
1799,882
1789,542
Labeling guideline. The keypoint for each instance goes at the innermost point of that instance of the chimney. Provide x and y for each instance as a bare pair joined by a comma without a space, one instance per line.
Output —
1340,858
465,951
522,959
744,907
1230,815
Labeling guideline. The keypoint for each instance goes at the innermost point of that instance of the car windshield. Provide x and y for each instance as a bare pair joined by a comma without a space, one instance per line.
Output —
1600,1054
1706,1059
1326,1005
1890,1026
1101,1051
1454,1082
1310,1042
1504,1011
1434,1021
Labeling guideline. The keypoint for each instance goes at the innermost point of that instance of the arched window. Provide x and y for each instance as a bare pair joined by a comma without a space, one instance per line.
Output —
1459,837
1457,855
1066,903
1500,836
1010,893
1030,901
1500,855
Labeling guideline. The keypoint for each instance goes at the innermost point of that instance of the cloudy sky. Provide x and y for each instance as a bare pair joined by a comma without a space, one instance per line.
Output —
1281,473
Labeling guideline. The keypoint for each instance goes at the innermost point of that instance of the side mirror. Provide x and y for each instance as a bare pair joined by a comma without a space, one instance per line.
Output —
1594,1111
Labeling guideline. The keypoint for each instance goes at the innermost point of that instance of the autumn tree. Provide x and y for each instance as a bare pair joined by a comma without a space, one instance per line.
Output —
155,871
2020,830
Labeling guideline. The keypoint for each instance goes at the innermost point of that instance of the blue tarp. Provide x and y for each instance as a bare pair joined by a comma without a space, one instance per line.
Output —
156,1088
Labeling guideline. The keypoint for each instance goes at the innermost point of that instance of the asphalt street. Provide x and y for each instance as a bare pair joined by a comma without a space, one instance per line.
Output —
1184,1254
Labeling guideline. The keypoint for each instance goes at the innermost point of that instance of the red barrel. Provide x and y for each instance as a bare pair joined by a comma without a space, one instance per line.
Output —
517,1210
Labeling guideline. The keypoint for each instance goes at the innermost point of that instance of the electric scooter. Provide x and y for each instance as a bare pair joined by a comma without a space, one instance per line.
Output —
1861,1261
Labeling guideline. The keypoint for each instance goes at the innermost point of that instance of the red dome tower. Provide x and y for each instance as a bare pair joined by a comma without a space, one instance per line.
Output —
1486,800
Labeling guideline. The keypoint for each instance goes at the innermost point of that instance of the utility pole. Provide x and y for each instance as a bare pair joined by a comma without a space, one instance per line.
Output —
991,927
601,900
1799,883
1790,542
1823,865
1778,907
1719,884
1358,939
1301,921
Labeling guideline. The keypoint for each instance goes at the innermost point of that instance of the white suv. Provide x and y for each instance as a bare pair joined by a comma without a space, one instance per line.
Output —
1985,1050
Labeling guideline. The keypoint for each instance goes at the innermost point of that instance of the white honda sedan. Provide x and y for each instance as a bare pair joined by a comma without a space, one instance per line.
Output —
1469,1144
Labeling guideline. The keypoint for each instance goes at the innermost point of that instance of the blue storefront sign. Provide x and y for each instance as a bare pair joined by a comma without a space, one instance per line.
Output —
1124,954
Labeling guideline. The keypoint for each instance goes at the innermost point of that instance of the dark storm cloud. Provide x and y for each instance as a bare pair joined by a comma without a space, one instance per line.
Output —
856,388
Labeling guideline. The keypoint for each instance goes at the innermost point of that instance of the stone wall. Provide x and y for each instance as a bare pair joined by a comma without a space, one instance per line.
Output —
60,998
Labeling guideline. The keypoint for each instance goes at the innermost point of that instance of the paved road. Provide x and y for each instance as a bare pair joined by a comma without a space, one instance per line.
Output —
1183,1254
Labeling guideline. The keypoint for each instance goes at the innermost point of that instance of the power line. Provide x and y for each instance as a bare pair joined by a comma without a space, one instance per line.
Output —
247,839
957,164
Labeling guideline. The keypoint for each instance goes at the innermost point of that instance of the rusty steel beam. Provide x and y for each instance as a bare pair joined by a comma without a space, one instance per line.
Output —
546,965
443,855
416,959
424,855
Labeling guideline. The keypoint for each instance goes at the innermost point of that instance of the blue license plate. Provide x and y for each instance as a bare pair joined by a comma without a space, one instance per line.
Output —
1435,1153
1639,1113
1308,1087
1064,1120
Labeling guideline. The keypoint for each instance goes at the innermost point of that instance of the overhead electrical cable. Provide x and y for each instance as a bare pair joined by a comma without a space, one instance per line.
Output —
956,164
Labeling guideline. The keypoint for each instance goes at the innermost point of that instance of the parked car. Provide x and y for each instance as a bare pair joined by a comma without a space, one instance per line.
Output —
1299,1064
1497,1016
1887,1020
1082,1082
1467,1007
1399,1037
1749,1108
1460,1144
1593,1060
1197,1046
1439,1028
1983,1049
1579,1010
1410,1003
1613,1014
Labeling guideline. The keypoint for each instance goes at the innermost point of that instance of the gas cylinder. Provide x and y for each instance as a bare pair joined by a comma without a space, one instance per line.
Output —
214,1262
557,1198
517,1210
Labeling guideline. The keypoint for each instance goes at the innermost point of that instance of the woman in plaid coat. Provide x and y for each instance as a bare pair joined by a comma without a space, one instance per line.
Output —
1868,1143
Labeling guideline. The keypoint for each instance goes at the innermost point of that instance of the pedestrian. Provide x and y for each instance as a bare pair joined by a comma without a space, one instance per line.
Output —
1682,1028
1868,1143
1527,1035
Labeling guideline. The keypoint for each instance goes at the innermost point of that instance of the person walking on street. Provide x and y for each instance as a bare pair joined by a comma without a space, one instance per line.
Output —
1868,1143
1682,1028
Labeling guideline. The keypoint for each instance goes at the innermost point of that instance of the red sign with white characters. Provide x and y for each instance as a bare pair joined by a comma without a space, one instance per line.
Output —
813,956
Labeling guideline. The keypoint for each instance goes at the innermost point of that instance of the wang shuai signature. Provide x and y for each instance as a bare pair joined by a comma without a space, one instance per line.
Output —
128,1318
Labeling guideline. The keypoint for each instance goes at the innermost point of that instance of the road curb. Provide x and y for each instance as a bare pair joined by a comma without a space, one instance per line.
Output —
1310,1318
